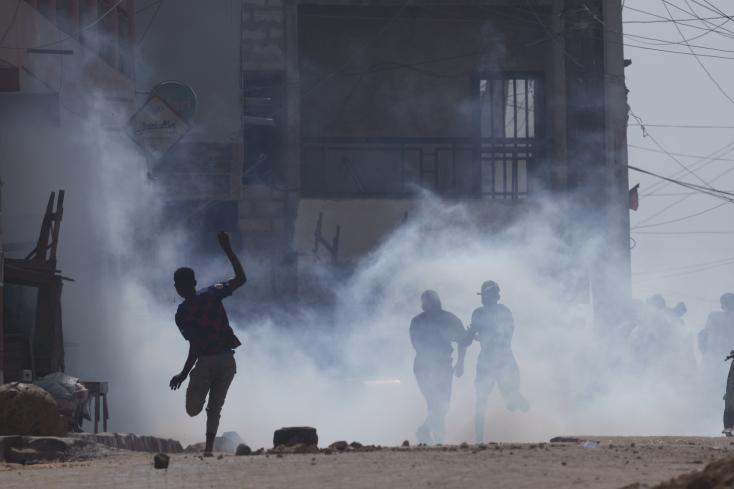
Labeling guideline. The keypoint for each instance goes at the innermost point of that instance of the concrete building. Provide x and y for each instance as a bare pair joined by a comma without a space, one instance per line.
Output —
57,60
349,105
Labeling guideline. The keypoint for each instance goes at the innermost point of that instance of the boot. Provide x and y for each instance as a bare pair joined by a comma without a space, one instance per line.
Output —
209,447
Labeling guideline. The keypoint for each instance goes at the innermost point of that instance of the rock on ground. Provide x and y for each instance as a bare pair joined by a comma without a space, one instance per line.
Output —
296,435
161,461
243,450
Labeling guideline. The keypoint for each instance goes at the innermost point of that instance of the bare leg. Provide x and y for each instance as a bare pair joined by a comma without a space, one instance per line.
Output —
509,384
484,387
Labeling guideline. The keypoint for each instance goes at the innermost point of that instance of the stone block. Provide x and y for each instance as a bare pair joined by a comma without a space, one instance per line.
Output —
161,461
295,435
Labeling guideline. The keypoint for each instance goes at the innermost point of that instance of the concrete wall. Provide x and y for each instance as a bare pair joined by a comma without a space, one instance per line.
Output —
32,156
62,153
584,102
79,77
197,43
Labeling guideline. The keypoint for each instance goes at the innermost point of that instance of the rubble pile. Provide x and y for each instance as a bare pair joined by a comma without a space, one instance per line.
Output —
27,409
31,449
130,441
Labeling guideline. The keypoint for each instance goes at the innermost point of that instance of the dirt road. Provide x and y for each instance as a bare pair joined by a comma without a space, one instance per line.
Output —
614,463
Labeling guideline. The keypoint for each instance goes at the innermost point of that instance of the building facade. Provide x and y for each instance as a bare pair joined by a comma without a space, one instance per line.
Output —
349,106
57,61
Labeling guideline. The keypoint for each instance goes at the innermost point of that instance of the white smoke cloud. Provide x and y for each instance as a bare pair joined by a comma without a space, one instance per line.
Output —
307,366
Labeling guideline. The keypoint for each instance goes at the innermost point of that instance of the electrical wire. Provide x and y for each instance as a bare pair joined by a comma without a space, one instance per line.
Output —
12,21
691,26
683,268
682,126
668,233
646,133
692,271
698,60
150,23
704,22
691,19
723,194
680,219
683,155
714,10
76,34
698,165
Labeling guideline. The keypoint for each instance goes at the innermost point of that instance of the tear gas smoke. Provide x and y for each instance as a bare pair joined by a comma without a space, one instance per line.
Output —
323,366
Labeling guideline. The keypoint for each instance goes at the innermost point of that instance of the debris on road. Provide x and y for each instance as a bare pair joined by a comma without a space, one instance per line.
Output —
161,461
243,450
295,435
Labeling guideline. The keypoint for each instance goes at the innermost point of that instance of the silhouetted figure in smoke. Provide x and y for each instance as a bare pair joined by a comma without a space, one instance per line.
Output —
432,333
661,339
492,325
203,322
716,339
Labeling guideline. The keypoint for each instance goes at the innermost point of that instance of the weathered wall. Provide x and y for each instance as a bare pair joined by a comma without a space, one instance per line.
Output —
197,43
340,69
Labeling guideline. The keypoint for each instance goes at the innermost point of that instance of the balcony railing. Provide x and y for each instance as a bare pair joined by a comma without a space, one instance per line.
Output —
399,167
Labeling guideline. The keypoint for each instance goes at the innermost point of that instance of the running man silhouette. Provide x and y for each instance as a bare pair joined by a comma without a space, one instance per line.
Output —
492,325
432,333
203,322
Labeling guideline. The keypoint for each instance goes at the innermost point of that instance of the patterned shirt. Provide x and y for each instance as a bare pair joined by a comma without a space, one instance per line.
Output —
493,327
203,321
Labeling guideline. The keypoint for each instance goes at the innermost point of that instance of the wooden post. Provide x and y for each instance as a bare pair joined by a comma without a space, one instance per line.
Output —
105,413
96,413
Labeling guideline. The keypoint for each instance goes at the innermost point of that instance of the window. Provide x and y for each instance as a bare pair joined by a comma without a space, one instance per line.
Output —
509,129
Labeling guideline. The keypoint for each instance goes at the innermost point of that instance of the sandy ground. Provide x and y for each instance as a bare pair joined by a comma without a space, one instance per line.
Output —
616,462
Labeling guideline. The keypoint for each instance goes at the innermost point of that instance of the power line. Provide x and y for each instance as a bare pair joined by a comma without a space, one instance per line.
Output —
645,133
661,21
691,271
692,266
698,60
682,155
682,126
701,163
684,41
680,219
693,12
707,190
666,19
150,23
642,223
667,233
714,10
12,21
76,34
